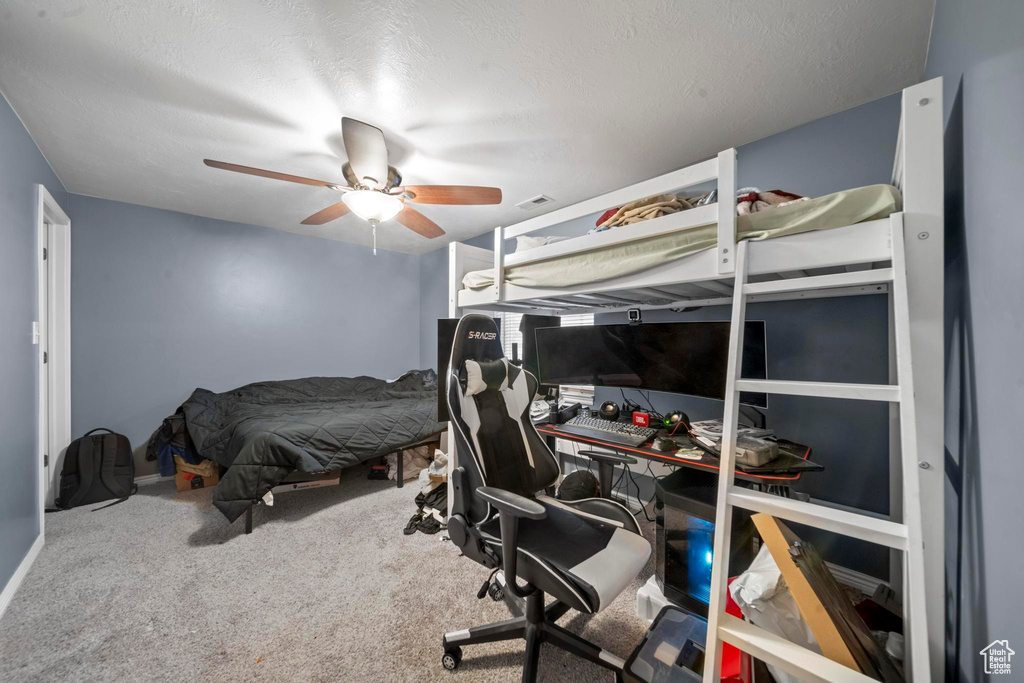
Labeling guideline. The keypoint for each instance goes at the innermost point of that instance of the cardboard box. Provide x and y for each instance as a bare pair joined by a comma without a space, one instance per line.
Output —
206,468
186,481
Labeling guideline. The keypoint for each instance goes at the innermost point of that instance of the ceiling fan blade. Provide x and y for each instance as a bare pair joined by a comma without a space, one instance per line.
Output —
332,212
367,152
453,194
417,222
237,168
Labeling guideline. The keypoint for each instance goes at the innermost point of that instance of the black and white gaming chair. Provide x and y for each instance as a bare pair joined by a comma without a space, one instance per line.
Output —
583,553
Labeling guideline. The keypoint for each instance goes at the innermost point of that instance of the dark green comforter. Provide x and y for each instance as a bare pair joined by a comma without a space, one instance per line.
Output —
264,431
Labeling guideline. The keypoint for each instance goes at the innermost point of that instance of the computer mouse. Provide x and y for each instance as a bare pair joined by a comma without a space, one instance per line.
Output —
663,443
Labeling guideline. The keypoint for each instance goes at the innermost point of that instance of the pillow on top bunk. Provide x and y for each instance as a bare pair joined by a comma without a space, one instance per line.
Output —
524,242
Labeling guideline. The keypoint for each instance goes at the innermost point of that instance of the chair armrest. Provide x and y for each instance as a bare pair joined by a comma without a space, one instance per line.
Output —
512,504
511,507
609,458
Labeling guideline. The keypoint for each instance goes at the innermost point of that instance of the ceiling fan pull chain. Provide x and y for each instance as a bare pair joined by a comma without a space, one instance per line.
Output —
375,239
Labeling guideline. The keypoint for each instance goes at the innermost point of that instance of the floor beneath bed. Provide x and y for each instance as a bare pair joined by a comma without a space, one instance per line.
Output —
326,588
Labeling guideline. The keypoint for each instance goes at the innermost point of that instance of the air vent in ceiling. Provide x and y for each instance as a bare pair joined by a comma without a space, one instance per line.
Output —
535,202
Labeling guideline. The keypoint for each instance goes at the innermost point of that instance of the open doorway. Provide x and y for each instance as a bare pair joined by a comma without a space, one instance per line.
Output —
53,334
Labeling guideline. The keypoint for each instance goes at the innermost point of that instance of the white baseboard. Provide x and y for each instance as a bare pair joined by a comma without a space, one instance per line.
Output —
150,479
19,575
855,579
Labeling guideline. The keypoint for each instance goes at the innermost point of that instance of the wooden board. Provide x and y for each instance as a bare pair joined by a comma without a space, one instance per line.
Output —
841,633
778,537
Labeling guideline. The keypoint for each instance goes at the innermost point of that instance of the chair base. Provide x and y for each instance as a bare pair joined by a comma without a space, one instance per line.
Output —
536,626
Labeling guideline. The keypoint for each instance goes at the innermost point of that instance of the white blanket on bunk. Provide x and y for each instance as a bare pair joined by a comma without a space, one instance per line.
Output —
823,213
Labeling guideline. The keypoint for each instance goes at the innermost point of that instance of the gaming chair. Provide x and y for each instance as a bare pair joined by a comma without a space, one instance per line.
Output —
583,553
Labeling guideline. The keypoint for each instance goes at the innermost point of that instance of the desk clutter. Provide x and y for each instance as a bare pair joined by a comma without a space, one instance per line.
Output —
671,437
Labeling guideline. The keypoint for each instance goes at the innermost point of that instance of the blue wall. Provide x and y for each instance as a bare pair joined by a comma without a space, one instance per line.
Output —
433,302
164,302
21,167
979,50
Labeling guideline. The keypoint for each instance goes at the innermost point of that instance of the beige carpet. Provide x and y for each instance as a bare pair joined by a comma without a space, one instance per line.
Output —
327,588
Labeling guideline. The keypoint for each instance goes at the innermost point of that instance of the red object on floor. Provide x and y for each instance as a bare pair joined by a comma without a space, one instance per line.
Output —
733,668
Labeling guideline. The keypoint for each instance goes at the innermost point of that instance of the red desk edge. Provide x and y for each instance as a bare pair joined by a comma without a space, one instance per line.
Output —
650,453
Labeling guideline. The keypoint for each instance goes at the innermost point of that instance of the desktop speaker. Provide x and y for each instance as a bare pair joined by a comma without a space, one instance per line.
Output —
610,410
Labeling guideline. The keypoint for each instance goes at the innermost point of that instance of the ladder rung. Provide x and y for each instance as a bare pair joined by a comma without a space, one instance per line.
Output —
800,284
865,528
863,392
790,657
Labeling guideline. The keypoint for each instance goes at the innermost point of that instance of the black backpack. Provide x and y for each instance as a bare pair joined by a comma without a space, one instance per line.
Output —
97,468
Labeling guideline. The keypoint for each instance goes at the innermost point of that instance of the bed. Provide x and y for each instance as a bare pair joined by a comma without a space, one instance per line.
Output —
853,243
263,432
832,211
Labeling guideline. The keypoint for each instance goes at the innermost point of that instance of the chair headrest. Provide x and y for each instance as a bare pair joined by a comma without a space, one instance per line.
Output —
484,375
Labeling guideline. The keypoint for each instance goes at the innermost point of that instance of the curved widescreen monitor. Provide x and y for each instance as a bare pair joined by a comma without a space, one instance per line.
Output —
680,358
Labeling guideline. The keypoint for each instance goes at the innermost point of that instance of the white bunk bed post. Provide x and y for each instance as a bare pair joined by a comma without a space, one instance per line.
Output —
456,271
920,177
726,464
499,262
726,211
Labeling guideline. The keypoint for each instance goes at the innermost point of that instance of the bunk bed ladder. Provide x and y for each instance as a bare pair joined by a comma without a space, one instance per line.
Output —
905,536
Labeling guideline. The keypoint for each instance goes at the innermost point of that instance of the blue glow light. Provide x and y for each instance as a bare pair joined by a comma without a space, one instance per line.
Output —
707,558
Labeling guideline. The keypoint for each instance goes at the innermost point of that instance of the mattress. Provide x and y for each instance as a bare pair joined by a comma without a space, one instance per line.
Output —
822,213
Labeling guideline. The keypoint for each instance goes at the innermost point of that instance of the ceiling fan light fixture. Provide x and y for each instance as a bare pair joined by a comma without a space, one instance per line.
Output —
372,206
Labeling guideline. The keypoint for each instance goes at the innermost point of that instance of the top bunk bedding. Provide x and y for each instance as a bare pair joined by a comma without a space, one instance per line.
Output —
832,211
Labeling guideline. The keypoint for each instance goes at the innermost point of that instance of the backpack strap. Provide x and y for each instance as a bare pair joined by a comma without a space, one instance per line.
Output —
85,472
107,462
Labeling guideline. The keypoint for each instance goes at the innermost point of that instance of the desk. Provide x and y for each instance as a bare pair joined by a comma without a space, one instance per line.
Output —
707,462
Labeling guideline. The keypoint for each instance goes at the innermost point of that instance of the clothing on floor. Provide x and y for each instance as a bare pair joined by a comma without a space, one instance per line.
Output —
169,440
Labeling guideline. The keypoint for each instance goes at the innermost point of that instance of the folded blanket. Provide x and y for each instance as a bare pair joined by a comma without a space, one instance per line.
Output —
748,200
751,200
644,209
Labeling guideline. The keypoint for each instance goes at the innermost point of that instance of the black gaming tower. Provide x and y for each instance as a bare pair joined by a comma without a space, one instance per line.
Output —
685,511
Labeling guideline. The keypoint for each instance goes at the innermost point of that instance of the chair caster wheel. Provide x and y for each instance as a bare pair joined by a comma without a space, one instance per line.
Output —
451,658
496,592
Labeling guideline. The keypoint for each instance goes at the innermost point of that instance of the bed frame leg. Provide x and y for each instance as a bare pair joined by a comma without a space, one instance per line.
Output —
400,459
248,519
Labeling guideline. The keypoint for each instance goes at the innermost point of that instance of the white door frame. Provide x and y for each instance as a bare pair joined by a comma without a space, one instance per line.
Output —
53,228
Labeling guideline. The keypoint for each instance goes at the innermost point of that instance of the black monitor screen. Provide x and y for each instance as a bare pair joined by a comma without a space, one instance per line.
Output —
681,358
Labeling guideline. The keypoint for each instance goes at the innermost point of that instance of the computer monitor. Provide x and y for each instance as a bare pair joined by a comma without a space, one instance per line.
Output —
678,357
528,325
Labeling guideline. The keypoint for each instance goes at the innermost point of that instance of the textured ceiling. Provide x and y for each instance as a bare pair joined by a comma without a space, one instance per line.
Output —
568,99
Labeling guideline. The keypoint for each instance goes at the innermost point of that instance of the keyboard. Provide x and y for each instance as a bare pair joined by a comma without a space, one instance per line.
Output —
621,433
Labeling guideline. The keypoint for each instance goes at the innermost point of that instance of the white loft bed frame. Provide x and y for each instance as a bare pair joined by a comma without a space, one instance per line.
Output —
706,278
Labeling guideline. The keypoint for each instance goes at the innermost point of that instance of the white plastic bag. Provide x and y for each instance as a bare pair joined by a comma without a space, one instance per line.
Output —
765,601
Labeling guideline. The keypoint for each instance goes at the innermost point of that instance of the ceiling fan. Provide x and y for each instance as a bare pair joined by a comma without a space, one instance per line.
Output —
375,192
